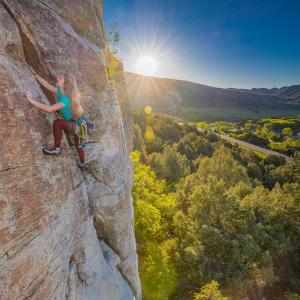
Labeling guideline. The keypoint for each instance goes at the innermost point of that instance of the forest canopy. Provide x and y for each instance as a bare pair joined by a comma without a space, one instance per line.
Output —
212,218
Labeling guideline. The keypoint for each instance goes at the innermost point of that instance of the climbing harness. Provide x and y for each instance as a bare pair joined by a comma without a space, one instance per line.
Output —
84,128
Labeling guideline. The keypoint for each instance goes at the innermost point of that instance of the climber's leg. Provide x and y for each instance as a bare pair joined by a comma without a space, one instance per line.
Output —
58,126
79,150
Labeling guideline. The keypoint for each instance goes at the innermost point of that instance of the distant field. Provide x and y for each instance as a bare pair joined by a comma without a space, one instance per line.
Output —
213,114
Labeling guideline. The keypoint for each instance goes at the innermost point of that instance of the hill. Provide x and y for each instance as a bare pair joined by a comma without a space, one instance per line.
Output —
289,92
172,94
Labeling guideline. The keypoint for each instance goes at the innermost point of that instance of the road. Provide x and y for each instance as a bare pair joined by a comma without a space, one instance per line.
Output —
254,147
233,140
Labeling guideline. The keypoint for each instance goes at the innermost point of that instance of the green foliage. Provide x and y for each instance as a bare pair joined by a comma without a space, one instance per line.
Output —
284,174
233,219
113,62
210,291
170,165
147,222
292,296
254,171
222,166
274,160
231,114
202,125
112,66
275,134
113,38
158,275
266,129
154,209
258,138
255,224
224,126
138,141
192,146
296,172
166,130
249,125
287,131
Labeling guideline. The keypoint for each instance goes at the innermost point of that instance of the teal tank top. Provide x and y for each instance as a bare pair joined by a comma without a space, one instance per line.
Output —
66,111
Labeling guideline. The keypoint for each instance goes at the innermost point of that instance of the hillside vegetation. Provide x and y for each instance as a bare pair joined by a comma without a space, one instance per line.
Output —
194,101
212,220
281,134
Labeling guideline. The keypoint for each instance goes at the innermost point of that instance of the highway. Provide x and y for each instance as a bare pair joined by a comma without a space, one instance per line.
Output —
232,140
254,147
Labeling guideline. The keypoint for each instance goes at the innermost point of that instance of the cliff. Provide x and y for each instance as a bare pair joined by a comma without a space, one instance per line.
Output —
64,233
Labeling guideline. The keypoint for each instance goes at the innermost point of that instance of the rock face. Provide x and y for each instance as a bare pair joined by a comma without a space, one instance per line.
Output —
64,234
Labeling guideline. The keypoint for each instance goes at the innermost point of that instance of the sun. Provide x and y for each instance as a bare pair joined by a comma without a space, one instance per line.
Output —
146,65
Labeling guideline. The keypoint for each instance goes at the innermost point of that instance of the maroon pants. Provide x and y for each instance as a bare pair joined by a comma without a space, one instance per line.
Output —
61,125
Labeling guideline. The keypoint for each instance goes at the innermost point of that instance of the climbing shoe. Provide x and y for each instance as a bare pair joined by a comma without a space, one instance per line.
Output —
51,150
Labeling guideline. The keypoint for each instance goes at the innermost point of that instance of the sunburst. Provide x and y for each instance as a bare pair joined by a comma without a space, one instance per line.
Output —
146,65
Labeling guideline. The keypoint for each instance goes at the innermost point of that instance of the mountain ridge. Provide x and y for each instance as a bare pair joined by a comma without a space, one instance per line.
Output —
262,90
160,92
291,92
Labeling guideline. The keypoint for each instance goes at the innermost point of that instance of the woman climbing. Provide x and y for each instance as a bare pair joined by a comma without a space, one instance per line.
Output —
68,104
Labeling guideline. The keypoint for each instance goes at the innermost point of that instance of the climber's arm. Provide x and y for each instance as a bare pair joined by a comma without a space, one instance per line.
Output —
45,84
44,107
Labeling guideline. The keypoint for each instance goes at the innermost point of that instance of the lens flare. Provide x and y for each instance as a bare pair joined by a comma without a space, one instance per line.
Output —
148,110
149,134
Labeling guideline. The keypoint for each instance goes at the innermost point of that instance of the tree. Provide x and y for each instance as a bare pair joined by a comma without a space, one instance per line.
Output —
158,274
266,129
113,38
274,160
222,166
147,222
254,171
287,131
112,61
234,221
297,167
210,291
154,210
218,209
138,141
249,125
273,136
170,165
192,145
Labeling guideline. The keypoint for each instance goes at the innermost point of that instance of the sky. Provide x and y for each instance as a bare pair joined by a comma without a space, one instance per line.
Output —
223,43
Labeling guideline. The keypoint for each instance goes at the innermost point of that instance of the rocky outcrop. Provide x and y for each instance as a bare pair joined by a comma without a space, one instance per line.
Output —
123,97
64,234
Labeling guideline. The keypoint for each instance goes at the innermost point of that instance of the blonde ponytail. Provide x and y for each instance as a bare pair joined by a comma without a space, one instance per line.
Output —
71,90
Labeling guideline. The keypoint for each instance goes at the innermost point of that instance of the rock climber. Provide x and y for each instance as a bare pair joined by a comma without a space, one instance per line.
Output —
68,105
